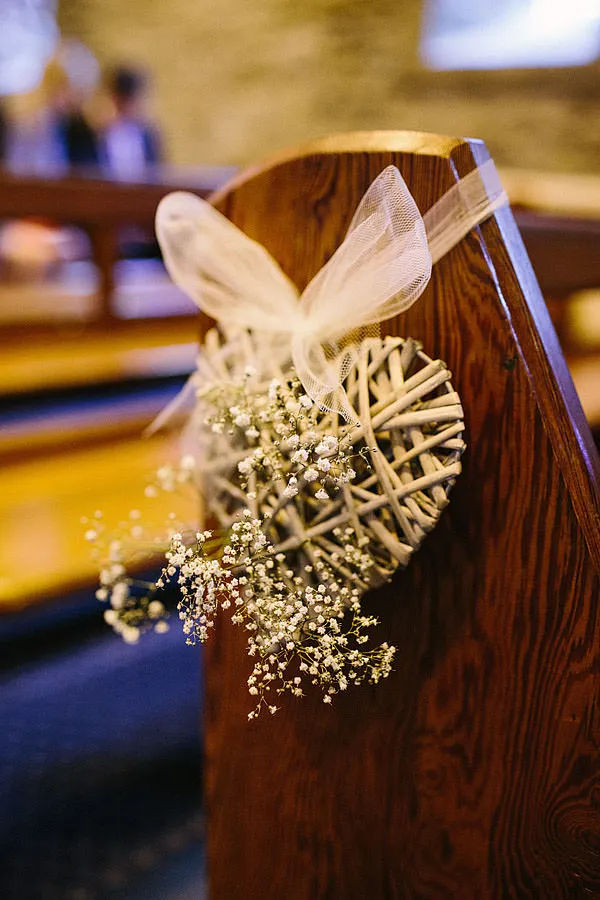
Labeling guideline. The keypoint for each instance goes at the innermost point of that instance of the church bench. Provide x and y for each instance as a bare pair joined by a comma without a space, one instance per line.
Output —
73,413
39,363
472,771
44,496
565,254
60,426
101,206
562,194
136,355
564,251
558,215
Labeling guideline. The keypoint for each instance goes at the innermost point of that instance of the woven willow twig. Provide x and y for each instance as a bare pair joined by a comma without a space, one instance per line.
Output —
407,449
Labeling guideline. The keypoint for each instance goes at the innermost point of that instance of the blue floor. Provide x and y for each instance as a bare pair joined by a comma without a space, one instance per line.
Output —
100,762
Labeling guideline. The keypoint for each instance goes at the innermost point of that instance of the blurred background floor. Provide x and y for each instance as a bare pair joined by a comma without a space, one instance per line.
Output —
100,761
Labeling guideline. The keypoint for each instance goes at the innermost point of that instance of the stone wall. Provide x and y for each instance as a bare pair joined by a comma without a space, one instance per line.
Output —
237,79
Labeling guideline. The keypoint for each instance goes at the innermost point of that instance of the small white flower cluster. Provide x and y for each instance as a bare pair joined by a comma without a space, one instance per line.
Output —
297,596
171,477
303,625
279,429
132,604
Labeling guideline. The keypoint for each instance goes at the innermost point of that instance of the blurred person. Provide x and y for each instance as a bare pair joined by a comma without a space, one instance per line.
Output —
47,132
130,143
33,141
75,130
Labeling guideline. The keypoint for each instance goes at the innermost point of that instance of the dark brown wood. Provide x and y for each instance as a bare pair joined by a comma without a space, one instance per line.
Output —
105,250
474,770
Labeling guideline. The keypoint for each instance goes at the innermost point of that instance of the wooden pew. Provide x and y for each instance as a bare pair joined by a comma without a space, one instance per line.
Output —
564,194
556,219
558,215
101,357
564,251
565,254
71,443
472,772
559,219
59,465
43,498
101,207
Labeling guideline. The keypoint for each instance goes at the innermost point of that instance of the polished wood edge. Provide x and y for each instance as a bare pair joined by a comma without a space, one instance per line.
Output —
417,142
558,402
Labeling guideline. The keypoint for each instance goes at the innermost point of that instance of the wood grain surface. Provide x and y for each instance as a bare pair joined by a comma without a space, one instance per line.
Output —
474,770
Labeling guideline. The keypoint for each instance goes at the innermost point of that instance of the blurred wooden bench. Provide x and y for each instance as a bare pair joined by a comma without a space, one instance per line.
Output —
101,207
564,250
559,219
68,362
71,443
57,466
472,772
43,497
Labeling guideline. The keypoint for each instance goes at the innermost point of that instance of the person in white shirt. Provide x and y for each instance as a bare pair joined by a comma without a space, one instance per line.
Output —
129,144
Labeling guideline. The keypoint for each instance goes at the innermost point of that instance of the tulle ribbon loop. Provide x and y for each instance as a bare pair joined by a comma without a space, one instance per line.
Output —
231,277
381,268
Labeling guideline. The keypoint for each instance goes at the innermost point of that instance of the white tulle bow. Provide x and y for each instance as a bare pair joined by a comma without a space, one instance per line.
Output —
379,270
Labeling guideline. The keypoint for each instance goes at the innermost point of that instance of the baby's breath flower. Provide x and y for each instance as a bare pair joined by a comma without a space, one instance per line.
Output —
299,608
155,609
245,466
291,489
326,445
300,456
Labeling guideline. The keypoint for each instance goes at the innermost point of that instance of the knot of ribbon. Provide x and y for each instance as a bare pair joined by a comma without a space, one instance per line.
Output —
379,270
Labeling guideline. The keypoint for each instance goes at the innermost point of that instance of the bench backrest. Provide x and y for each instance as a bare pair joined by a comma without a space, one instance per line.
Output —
473,770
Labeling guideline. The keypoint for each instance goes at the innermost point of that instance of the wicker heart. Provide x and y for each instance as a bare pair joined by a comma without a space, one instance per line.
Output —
407,451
